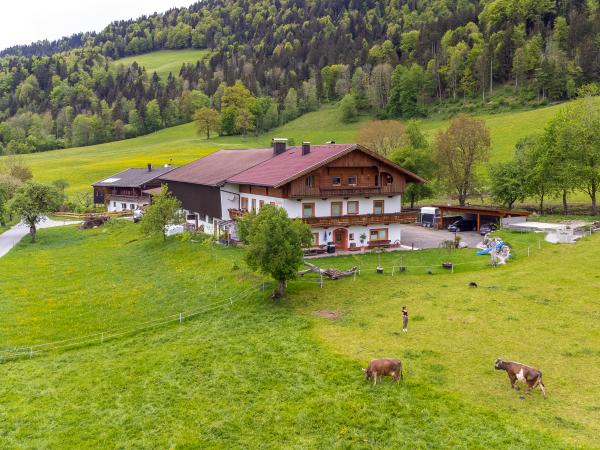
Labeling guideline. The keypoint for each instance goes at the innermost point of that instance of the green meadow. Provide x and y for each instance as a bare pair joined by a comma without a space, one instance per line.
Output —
164,62
263,374
83,166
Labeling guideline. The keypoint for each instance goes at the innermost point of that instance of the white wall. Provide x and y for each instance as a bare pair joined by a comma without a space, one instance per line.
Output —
323,207
394,233
137,204
230,199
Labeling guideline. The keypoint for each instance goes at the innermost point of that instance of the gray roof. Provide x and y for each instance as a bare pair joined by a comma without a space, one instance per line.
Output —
133,177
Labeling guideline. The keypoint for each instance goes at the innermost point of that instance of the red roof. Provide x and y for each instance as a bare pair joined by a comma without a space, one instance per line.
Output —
216,168
290,164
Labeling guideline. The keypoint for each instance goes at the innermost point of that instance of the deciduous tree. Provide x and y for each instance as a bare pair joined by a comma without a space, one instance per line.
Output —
165,210
459,151
274,244
383,136
32,202
207,120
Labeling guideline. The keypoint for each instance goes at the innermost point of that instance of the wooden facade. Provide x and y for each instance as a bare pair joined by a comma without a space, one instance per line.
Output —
354,174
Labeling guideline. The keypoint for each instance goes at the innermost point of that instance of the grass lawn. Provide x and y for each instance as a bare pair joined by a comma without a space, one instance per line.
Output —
260,374
165,61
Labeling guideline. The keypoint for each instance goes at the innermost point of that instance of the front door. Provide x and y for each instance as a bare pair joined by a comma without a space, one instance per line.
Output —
340,237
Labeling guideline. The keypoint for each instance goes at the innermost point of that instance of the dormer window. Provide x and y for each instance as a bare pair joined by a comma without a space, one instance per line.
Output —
309,181
352,180
336,181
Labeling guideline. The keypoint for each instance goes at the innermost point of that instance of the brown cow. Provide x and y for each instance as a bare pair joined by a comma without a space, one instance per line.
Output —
384,366
520,372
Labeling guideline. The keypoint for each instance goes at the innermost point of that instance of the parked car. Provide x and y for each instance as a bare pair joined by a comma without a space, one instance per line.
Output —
487,228
462,225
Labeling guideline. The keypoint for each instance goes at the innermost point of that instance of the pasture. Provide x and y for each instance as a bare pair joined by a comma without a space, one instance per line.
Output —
83,166
164,62
258,373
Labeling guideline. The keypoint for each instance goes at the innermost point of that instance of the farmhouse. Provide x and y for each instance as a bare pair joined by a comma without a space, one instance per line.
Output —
127,190
348,194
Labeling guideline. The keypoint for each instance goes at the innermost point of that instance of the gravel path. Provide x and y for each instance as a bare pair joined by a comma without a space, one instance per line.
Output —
11,237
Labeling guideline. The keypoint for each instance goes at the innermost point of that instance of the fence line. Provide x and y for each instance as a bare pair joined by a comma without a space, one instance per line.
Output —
101,336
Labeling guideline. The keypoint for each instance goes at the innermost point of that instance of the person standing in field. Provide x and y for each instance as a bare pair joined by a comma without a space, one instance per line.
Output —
404,319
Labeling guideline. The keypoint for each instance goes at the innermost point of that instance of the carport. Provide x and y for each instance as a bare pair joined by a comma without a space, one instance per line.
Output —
478,212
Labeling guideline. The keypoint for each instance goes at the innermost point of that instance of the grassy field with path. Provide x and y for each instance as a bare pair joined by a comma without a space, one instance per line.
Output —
259,373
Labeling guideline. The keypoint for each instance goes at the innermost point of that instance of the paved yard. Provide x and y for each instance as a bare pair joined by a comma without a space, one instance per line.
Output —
423,237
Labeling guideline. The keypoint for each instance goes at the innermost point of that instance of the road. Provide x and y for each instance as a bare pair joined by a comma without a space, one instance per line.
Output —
11,237
423,237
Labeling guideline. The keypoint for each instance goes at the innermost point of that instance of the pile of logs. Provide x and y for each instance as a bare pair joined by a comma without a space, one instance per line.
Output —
93,221
332,274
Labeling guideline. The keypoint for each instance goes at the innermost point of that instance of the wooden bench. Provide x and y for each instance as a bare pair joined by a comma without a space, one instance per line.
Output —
379,244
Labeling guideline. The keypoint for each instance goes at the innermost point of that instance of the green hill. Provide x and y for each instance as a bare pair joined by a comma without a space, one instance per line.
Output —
178,145
165,61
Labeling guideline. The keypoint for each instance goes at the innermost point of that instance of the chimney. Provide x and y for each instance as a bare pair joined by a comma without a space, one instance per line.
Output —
279,146
149,167
305,148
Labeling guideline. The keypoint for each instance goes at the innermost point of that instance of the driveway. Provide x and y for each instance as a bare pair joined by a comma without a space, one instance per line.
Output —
423,237
11,237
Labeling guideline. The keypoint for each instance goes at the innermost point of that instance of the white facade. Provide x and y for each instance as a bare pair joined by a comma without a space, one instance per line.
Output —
118,204
231,198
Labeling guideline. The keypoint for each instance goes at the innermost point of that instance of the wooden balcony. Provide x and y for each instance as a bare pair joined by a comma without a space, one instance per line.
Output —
361,219
344,191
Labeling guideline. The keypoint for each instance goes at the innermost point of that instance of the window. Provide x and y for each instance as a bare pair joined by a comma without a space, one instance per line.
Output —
378,234
377,180
309,181
123,205
352,207
352,180
114,204
132,206
378,206
388,178
261,203
244,204
351,236
253,204
315,239
308,210
336,181
336,208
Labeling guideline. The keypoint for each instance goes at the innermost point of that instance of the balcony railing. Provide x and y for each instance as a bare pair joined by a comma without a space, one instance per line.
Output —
361,219
349,220
343,191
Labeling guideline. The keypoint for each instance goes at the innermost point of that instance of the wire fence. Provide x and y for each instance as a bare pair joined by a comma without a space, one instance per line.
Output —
98,338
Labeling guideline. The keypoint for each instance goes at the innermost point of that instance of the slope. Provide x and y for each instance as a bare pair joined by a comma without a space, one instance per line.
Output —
84,165
164,62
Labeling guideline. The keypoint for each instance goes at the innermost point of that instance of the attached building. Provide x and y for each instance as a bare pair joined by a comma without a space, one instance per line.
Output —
348,194
124,191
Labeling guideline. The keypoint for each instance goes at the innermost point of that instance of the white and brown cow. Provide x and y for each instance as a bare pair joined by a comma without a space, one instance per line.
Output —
520,372
384,366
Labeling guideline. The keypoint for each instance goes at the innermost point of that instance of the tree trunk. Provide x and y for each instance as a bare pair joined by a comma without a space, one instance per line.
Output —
594,208
564,202
280,292
542,204
32,232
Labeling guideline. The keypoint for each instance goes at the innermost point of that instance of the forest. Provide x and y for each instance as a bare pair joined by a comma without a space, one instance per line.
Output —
274,60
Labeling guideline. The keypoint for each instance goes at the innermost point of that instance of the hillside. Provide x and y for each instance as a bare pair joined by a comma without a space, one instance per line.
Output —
391,59
257,372
178,145
165,61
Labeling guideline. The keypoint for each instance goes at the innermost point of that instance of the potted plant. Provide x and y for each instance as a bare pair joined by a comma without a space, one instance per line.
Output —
449,245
